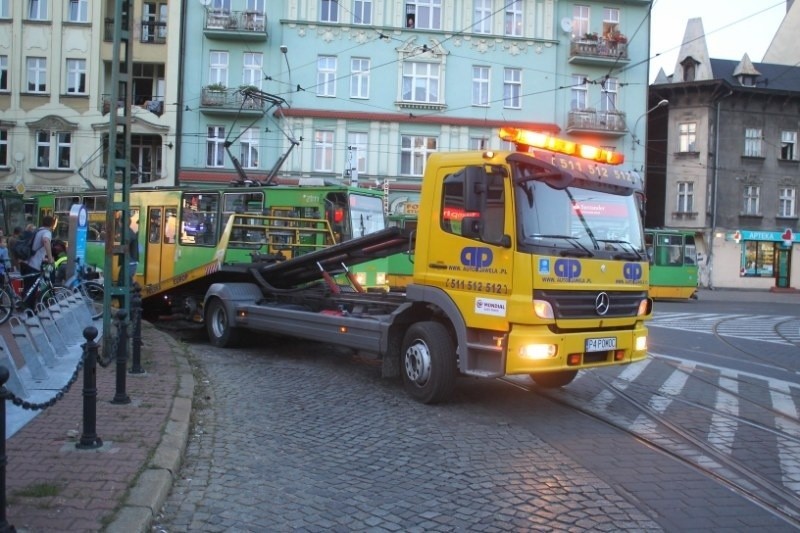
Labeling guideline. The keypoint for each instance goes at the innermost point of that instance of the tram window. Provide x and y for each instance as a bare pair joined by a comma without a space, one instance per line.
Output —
171,226
199,213
154,226
670,250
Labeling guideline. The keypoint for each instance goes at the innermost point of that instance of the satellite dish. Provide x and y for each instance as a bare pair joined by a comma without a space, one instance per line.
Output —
566,25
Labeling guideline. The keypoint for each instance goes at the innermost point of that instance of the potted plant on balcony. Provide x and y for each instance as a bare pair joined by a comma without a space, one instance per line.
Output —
590,36
214,94
617,37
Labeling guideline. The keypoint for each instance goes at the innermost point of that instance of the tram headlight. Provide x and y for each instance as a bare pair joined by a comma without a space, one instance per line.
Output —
380,278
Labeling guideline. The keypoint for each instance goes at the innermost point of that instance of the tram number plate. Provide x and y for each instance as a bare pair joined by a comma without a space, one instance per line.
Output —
601,345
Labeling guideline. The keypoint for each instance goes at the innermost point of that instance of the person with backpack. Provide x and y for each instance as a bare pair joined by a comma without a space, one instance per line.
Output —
40,254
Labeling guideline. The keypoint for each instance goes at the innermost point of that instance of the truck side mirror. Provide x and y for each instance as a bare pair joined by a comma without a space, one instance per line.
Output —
475,184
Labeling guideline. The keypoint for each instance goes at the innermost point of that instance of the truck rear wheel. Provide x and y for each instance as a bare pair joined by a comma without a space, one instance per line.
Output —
428,362
218,324
553,380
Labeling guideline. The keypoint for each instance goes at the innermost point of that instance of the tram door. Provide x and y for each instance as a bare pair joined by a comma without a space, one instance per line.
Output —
162,224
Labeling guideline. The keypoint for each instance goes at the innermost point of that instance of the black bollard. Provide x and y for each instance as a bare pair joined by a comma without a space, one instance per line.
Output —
5,527
120,396
136,338
89,439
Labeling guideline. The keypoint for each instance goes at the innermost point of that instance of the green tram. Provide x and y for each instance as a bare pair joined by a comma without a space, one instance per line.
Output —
673,263
178,229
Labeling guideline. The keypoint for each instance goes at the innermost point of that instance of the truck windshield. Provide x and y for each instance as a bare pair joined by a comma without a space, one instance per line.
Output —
578,221
366,215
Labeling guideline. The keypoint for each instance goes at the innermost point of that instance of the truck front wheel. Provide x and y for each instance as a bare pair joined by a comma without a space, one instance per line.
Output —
428,362
218,324
553,380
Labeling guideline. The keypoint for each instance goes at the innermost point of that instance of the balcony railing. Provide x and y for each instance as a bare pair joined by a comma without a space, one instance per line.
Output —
153,32
229,99
610,122
598,49
236,21
154,106
108,29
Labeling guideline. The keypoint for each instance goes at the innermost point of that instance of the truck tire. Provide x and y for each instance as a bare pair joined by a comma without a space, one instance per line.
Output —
218,325
554,380
428,362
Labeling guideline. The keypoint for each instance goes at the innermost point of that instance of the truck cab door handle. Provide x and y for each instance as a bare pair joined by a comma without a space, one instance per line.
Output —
438,266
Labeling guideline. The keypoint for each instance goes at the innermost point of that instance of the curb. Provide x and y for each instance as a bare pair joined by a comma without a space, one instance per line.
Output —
151,488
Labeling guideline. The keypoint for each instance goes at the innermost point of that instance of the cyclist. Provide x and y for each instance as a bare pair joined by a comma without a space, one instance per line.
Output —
42,254
59,248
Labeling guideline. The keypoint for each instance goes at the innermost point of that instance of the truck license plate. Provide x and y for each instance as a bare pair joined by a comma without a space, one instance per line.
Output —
601,345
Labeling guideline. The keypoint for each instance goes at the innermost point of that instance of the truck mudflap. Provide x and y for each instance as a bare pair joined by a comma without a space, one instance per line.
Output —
535,349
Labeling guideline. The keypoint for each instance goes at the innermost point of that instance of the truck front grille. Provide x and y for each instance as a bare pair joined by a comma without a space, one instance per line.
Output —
583,304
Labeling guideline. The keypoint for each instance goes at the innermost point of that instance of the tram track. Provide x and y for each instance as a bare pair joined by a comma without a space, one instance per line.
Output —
682,445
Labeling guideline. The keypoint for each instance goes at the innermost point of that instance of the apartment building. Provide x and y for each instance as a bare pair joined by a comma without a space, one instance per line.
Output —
723,160
55,86
367,90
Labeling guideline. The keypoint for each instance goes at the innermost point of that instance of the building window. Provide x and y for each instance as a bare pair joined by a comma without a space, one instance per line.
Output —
329,11
78,11
323,151
220,6
252,72
218,68
608,95
580,93
3,73
248,144
362,12
357,147
751,199
610,21
685,197
76,76
424,14
752,142
359,77
786,196
421,82
45,149
512,88
37,74
480,86
478,143
37,9
513,20
482,16
326,76
215,147
580,21
758,259
5,12
414,152
688,136
3,147
789,145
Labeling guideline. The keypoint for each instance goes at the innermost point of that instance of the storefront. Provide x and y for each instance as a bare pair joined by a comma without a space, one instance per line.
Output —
755,259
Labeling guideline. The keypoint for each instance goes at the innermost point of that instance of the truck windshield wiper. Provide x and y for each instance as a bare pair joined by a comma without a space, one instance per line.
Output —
630,253
579,249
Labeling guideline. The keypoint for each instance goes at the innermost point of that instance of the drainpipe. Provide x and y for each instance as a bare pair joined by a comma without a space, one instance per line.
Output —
710,259
180,99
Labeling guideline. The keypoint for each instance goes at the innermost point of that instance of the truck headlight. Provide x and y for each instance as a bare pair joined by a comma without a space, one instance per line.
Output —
543,309
641,344
539,351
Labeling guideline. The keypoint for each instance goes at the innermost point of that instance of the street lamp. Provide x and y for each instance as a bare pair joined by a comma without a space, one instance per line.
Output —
662,103
284,50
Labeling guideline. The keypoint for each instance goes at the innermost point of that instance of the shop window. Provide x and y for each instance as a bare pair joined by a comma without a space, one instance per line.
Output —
758,259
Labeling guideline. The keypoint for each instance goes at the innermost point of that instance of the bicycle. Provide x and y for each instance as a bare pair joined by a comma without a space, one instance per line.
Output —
84,281
11,299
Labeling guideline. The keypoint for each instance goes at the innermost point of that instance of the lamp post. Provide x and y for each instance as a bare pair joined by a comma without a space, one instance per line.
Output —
662,103
284,51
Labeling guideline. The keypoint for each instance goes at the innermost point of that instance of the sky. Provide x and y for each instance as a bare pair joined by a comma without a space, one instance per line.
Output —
732,28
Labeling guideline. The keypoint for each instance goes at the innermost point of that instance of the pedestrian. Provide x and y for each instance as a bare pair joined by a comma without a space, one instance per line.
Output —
5,261
42,256
12,240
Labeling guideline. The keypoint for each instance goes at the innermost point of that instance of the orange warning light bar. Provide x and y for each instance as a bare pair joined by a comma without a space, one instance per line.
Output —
554,144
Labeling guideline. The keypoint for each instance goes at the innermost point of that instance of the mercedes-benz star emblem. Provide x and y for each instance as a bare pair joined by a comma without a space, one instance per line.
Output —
602,303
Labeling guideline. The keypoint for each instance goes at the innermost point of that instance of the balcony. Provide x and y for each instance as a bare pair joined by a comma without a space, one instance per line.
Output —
235,25
593,50
154,106
153,32
216,101
609,123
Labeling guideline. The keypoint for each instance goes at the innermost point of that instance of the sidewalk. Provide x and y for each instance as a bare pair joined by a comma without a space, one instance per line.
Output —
120,486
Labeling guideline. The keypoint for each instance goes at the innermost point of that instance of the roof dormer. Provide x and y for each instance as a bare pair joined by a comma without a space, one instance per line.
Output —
746,73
